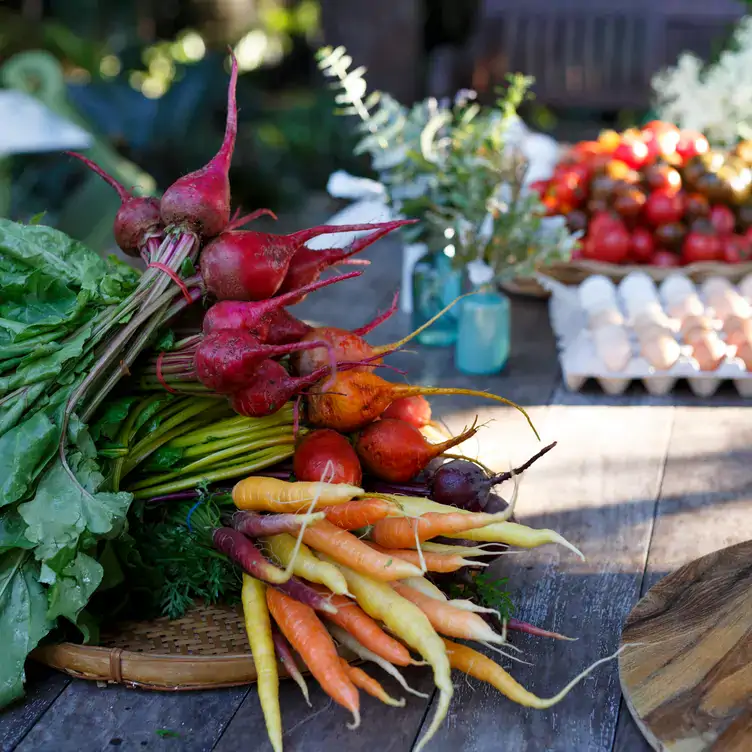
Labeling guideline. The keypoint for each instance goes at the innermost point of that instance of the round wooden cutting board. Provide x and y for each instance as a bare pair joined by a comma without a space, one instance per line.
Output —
688,683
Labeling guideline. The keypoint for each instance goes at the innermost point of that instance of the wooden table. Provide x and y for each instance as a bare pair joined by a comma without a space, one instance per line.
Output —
641,485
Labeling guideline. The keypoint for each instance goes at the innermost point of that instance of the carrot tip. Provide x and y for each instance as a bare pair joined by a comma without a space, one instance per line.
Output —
355,722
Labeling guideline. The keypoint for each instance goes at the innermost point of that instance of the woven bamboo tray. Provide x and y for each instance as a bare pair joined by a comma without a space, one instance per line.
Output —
574,272
207,648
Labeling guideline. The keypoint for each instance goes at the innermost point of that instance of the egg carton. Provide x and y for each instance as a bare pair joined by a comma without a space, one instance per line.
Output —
580,360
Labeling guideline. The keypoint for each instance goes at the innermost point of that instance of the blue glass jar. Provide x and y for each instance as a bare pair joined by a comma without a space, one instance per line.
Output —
484,332
436,283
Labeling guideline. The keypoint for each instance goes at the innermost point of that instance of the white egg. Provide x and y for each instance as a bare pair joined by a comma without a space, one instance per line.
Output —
650,316
640,304
714,285
684,307
745,287
596,293
605,317
612,346
676,287
637,283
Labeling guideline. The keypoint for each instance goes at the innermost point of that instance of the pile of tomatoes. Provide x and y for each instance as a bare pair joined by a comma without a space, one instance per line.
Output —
655,195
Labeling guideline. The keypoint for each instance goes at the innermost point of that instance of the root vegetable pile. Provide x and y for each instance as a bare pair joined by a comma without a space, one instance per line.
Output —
252,457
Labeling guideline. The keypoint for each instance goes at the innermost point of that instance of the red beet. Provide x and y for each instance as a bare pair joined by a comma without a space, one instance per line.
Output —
137,218
200,201
307,264
248,265
227,360
254,316
396,451
324,446
414,410
284,328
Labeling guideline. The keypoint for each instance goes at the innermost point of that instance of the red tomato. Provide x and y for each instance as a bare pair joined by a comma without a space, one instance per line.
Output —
723,219
601,222
748,235
568,188
691,144
612,245
663,178
700,246
735,249
632,151
643,245
661,139
665,258
664,207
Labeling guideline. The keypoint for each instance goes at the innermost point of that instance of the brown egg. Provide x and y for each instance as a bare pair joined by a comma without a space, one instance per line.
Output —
728,302
708,350
738,330
744,351
661,351
695,323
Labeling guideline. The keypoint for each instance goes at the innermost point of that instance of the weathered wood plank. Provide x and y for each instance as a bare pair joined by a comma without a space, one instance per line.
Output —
598,488
705,504
87,717
43,687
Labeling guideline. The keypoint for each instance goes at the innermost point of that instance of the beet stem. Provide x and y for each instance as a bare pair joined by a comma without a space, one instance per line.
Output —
380,319
122,192
501,477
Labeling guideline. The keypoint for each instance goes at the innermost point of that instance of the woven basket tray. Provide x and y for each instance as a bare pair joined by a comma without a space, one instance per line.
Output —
207,648
574,272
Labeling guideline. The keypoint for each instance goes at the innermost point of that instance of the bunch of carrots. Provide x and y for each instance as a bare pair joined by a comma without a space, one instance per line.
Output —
343,554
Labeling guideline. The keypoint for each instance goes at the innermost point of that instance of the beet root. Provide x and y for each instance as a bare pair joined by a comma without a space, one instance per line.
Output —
318,449
138,217
355,398
307,264
255,316
248,265
396,451
200,201
415,410
284,328
226,360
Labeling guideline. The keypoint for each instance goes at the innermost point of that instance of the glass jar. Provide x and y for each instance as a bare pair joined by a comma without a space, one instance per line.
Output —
484,332
435,284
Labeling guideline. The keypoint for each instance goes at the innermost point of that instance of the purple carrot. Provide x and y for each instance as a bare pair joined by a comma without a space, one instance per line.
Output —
304,593
307,264
257,525
241,550
286,658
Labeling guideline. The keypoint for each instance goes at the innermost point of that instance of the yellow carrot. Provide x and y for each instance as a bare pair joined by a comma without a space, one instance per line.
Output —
258,626
475,664
411,625
305,564
510,533
259,494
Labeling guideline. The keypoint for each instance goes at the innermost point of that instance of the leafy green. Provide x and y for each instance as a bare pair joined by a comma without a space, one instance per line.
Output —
73,587
24,451
61,510
12,529
23,619
165,458
110,420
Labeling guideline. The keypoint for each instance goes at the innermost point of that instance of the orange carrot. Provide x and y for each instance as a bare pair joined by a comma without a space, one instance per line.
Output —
434,562
401,532
447,619
368,684
309,637
360,625
346,549
355,514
